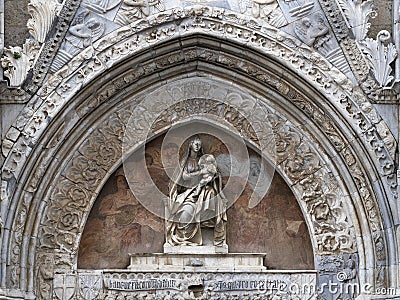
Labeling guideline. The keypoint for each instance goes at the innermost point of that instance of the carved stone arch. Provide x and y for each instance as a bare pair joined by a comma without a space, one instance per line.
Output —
69,188
25,152
75,191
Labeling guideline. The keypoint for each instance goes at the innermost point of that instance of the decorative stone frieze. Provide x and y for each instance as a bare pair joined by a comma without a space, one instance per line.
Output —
269,11
17,61
298,161
50,47
90,285
60,229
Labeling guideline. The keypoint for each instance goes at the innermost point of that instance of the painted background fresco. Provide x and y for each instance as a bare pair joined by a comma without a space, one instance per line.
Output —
118,224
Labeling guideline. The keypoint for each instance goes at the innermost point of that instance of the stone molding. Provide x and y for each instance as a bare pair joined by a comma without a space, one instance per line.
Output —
90,285
327,78
64,85
83,167
43,14
342,17
320,194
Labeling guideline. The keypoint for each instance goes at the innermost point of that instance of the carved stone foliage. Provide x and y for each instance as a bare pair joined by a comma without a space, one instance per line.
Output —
318,190
126,48
129,11
380,57
297,159
125,42
207,107
17,61
43,14
357,13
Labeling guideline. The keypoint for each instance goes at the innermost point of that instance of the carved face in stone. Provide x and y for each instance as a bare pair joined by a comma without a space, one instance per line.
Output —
92,23
195,145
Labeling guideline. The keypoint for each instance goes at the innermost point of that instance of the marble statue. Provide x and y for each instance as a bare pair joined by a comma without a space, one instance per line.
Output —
133,10
85,29
195,199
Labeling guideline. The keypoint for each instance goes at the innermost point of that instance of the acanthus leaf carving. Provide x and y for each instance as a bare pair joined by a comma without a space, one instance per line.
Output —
18,61
357,13
380,57
42,14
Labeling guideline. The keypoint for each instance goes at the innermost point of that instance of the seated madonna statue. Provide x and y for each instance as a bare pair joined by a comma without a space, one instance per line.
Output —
196,199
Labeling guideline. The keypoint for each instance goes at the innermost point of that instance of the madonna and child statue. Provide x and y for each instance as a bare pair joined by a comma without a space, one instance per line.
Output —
195,220
196,203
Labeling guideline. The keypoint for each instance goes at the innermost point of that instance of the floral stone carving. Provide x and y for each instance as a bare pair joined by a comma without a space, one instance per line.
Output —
380,57
17,61
43,14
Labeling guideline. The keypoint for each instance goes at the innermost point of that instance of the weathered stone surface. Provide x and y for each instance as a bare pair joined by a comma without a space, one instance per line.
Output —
334,150
275,226
15,18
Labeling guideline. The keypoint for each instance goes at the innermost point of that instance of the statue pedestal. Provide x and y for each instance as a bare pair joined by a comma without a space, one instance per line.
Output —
198,262
206,249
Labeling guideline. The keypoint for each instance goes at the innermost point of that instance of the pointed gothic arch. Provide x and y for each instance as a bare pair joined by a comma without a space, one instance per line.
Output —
49,150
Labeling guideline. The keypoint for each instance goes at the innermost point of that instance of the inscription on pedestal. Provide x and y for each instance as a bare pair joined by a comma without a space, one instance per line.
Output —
250,285
140,285
122,284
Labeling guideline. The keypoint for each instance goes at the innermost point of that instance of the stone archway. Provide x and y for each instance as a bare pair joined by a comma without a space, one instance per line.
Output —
312,176
334,143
